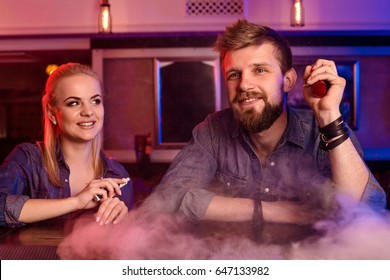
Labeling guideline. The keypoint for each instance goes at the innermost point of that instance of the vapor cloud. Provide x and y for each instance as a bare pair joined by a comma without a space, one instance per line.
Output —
353,232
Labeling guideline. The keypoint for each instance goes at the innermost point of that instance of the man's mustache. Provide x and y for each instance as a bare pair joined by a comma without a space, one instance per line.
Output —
244,95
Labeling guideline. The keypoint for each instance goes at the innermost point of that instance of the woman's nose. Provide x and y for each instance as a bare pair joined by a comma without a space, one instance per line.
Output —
86,111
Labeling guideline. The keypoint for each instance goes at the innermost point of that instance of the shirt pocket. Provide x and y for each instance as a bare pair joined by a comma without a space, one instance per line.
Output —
232,184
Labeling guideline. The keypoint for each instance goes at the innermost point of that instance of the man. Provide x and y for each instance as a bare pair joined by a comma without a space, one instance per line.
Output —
260,158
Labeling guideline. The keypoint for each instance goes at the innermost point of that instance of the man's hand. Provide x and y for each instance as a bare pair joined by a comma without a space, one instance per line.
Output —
327,108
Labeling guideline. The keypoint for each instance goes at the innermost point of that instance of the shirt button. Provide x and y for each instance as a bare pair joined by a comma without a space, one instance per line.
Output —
272,163
308,194
228,184
266,189
66,180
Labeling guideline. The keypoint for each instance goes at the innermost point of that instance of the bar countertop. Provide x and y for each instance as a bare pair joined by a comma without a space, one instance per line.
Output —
31,242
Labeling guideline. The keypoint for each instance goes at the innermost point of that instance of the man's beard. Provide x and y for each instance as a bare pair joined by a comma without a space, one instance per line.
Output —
255,122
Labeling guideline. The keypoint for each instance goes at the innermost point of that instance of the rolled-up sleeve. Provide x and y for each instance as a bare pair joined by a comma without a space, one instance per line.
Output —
183,190
12,188
374,195
13,207
195,203
12,198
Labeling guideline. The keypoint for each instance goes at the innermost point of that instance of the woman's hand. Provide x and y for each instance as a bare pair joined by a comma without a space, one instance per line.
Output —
99,190
111,210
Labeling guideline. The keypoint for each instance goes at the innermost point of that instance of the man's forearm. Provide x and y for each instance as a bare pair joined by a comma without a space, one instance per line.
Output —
227,209
349,173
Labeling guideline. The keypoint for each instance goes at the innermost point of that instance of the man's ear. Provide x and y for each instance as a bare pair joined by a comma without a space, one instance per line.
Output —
289,80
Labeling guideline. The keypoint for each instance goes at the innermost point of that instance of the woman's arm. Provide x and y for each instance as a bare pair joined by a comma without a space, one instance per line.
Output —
111,209
35,210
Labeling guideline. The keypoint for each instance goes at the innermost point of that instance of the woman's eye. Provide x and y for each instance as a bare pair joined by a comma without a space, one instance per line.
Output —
96,101
72,103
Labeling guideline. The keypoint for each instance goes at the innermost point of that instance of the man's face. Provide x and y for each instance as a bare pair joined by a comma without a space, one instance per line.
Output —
254,84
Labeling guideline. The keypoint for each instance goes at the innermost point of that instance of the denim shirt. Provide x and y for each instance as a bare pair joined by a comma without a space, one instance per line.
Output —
22,176
220,159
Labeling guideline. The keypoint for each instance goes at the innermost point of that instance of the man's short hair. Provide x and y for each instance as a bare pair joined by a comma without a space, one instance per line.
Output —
243,34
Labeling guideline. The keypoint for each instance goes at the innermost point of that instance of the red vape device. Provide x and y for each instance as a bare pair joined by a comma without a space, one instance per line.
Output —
319,89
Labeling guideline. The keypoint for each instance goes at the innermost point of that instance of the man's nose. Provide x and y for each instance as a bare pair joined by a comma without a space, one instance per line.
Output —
246,84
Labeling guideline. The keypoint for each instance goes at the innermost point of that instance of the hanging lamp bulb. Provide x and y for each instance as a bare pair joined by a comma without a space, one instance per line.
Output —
297,13
105,20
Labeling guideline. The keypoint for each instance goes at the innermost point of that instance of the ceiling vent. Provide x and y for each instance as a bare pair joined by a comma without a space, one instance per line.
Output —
215,7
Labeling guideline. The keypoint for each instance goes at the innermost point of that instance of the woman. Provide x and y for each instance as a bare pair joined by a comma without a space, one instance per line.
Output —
68,171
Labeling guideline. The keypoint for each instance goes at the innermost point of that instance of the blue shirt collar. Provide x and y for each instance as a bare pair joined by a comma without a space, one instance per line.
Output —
295,131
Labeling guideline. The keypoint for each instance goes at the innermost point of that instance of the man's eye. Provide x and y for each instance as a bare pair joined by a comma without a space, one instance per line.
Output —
259,70
233,76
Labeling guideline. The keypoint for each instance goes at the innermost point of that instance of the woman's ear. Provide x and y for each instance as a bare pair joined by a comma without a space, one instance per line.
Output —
51,115
289,80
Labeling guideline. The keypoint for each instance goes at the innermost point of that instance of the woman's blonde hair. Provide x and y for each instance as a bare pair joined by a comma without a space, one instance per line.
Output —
51,131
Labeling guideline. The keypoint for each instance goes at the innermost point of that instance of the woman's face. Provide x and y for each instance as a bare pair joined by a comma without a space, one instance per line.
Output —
79,108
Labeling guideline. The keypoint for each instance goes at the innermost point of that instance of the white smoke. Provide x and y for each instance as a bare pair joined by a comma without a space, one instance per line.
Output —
358,233
354,232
